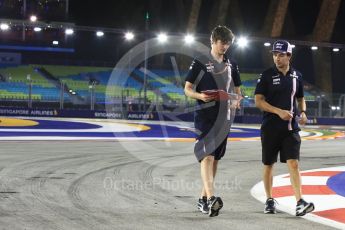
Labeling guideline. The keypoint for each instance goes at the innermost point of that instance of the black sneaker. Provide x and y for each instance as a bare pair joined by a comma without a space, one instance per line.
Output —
270,206
304,207
202,205
214,205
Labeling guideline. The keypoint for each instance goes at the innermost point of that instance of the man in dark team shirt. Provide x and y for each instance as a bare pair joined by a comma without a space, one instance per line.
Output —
278,92
214,112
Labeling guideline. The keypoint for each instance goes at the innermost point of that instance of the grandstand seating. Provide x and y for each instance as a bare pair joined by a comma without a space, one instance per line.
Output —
79,78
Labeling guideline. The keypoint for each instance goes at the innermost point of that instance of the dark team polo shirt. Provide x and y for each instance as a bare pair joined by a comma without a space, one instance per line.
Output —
280,91
205,73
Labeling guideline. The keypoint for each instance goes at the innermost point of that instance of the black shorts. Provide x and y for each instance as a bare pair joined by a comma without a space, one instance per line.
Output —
287,143
211,137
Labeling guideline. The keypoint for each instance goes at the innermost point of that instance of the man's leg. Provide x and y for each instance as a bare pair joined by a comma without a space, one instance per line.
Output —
295,178
203,192
207,175
215,166
270,204
302,206
268,180
208,171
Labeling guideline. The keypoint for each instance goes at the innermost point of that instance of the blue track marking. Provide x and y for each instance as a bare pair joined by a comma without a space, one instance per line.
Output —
337,183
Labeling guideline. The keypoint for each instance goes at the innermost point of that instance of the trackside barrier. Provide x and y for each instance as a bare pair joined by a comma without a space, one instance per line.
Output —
143,116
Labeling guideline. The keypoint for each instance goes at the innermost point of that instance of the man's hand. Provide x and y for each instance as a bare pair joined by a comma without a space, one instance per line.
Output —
240,98
303,118
285,114
206,98
236,103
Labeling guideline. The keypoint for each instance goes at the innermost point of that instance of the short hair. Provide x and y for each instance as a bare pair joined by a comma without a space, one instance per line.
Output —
222,33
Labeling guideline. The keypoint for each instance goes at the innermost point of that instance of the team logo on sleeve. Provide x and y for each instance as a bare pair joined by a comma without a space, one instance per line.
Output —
259,79
191,66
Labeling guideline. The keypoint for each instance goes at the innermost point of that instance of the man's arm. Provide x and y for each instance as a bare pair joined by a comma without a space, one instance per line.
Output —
189,91
262,104
302,107
237,90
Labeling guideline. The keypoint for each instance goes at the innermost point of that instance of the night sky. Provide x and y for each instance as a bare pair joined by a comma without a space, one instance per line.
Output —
247,18
130,14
